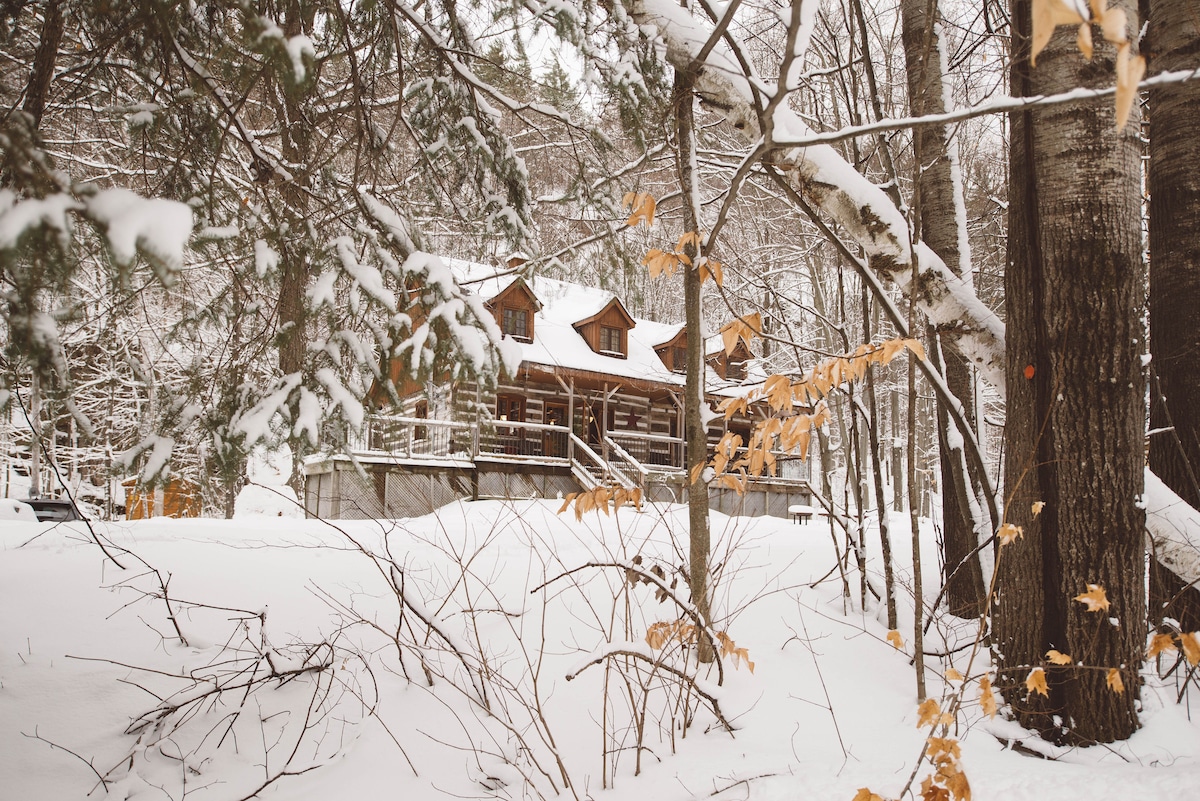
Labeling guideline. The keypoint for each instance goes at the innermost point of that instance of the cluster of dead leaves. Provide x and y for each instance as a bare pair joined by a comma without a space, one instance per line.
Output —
782,393
661,593
661,633
743,328
661,262
641,207
688,250
788,430
1096,600
947,782
600,498
1187,641
1049,14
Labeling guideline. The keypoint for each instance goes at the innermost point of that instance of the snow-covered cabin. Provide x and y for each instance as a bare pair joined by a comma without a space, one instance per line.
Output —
598,397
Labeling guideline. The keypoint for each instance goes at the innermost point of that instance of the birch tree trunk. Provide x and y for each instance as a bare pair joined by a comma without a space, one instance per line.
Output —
943,228
1075,405
1174,179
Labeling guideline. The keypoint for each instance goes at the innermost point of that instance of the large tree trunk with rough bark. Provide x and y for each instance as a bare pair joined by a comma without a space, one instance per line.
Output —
1174,178
1075,405
944,230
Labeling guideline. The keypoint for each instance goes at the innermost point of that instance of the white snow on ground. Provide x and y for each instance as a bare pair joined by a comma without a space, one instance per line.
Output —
829,708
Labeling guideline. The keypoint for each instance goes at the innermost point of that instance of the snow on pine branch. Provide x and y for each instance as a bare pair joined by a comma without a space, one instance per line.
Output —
158,229
441,316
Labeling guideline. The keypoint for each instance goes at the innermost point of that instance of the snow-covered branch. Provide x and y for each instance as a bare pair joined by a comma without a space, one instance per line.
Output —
832,185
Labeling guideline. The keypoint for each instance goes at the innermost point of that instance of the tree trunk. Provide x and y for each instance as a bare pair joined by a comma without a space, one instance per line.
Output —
1174,179
1075,406
695,431
944,230
37,89
295,244
885,534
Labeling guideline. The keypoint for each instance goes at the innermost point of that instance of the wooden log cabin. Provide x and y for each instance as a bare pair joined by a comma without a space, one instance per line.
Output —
598,398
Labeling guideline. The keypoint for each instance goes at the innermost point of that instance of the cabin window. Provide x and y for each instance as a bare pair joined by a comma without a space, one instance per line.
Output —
679,360
735,370
422,412
610,340
516,323
511,408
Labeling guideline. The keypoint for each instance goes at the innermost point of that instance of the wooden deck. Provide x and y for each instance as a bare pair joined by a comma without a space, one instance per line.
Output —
407,466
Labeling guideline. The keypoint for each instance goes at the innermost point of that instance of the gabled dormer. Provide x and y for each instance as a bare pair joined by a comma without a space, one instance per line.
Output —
514,308
607,331
673,352
728,366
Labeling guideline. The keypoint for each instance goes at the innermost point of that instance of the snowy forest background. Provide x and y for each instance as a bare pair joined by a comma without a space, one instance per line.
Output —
219,220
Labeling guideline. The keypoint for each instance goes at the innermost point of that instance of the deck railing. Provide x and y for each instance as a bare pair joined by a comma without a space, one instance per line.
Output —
652,450
629,453
540,441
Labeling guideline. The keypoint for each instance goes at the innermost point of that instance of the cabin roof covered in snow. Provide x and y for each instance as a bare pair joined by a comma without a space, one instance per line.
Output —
557,343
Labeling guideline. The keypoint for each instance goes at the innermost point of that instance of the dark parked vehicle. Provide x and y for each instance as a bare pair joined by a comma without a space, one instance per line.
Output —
54,510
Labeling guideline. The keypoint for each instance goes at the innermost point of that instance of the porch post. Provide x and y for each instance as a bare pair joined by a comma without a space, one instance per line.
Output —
475,428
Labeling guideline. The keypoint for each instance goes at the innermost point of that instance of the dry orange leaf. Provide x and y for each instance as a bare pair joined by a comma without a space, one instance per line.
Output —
711,268
987,699
641,208
953,675
1048,15
1160,643
942,748
916,347
732,482
1094,599
865,794
928,713
1057,657
1191,647
895,639
1037,507
1009,533
1130,70
957,784
931,791
1114,681
1036,682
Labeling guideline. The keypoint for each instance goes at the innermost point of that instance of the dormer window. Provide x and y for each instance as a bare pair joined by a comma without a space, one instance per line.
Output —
607,331
679,360
515,322
610,340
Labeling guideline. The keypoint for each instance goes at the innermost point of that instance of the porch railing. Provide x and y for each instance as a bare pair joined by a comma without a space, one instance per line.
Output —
539,441
652,450
630,455
415,437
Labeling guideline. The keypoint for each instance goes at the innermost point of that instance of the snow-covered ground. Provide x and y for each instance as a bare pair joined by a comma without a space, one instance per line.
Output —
424,659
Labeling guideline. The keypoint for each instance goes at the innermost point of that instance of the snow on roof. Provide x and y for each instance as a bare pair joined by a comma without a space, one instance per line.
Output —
658,334
557,344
